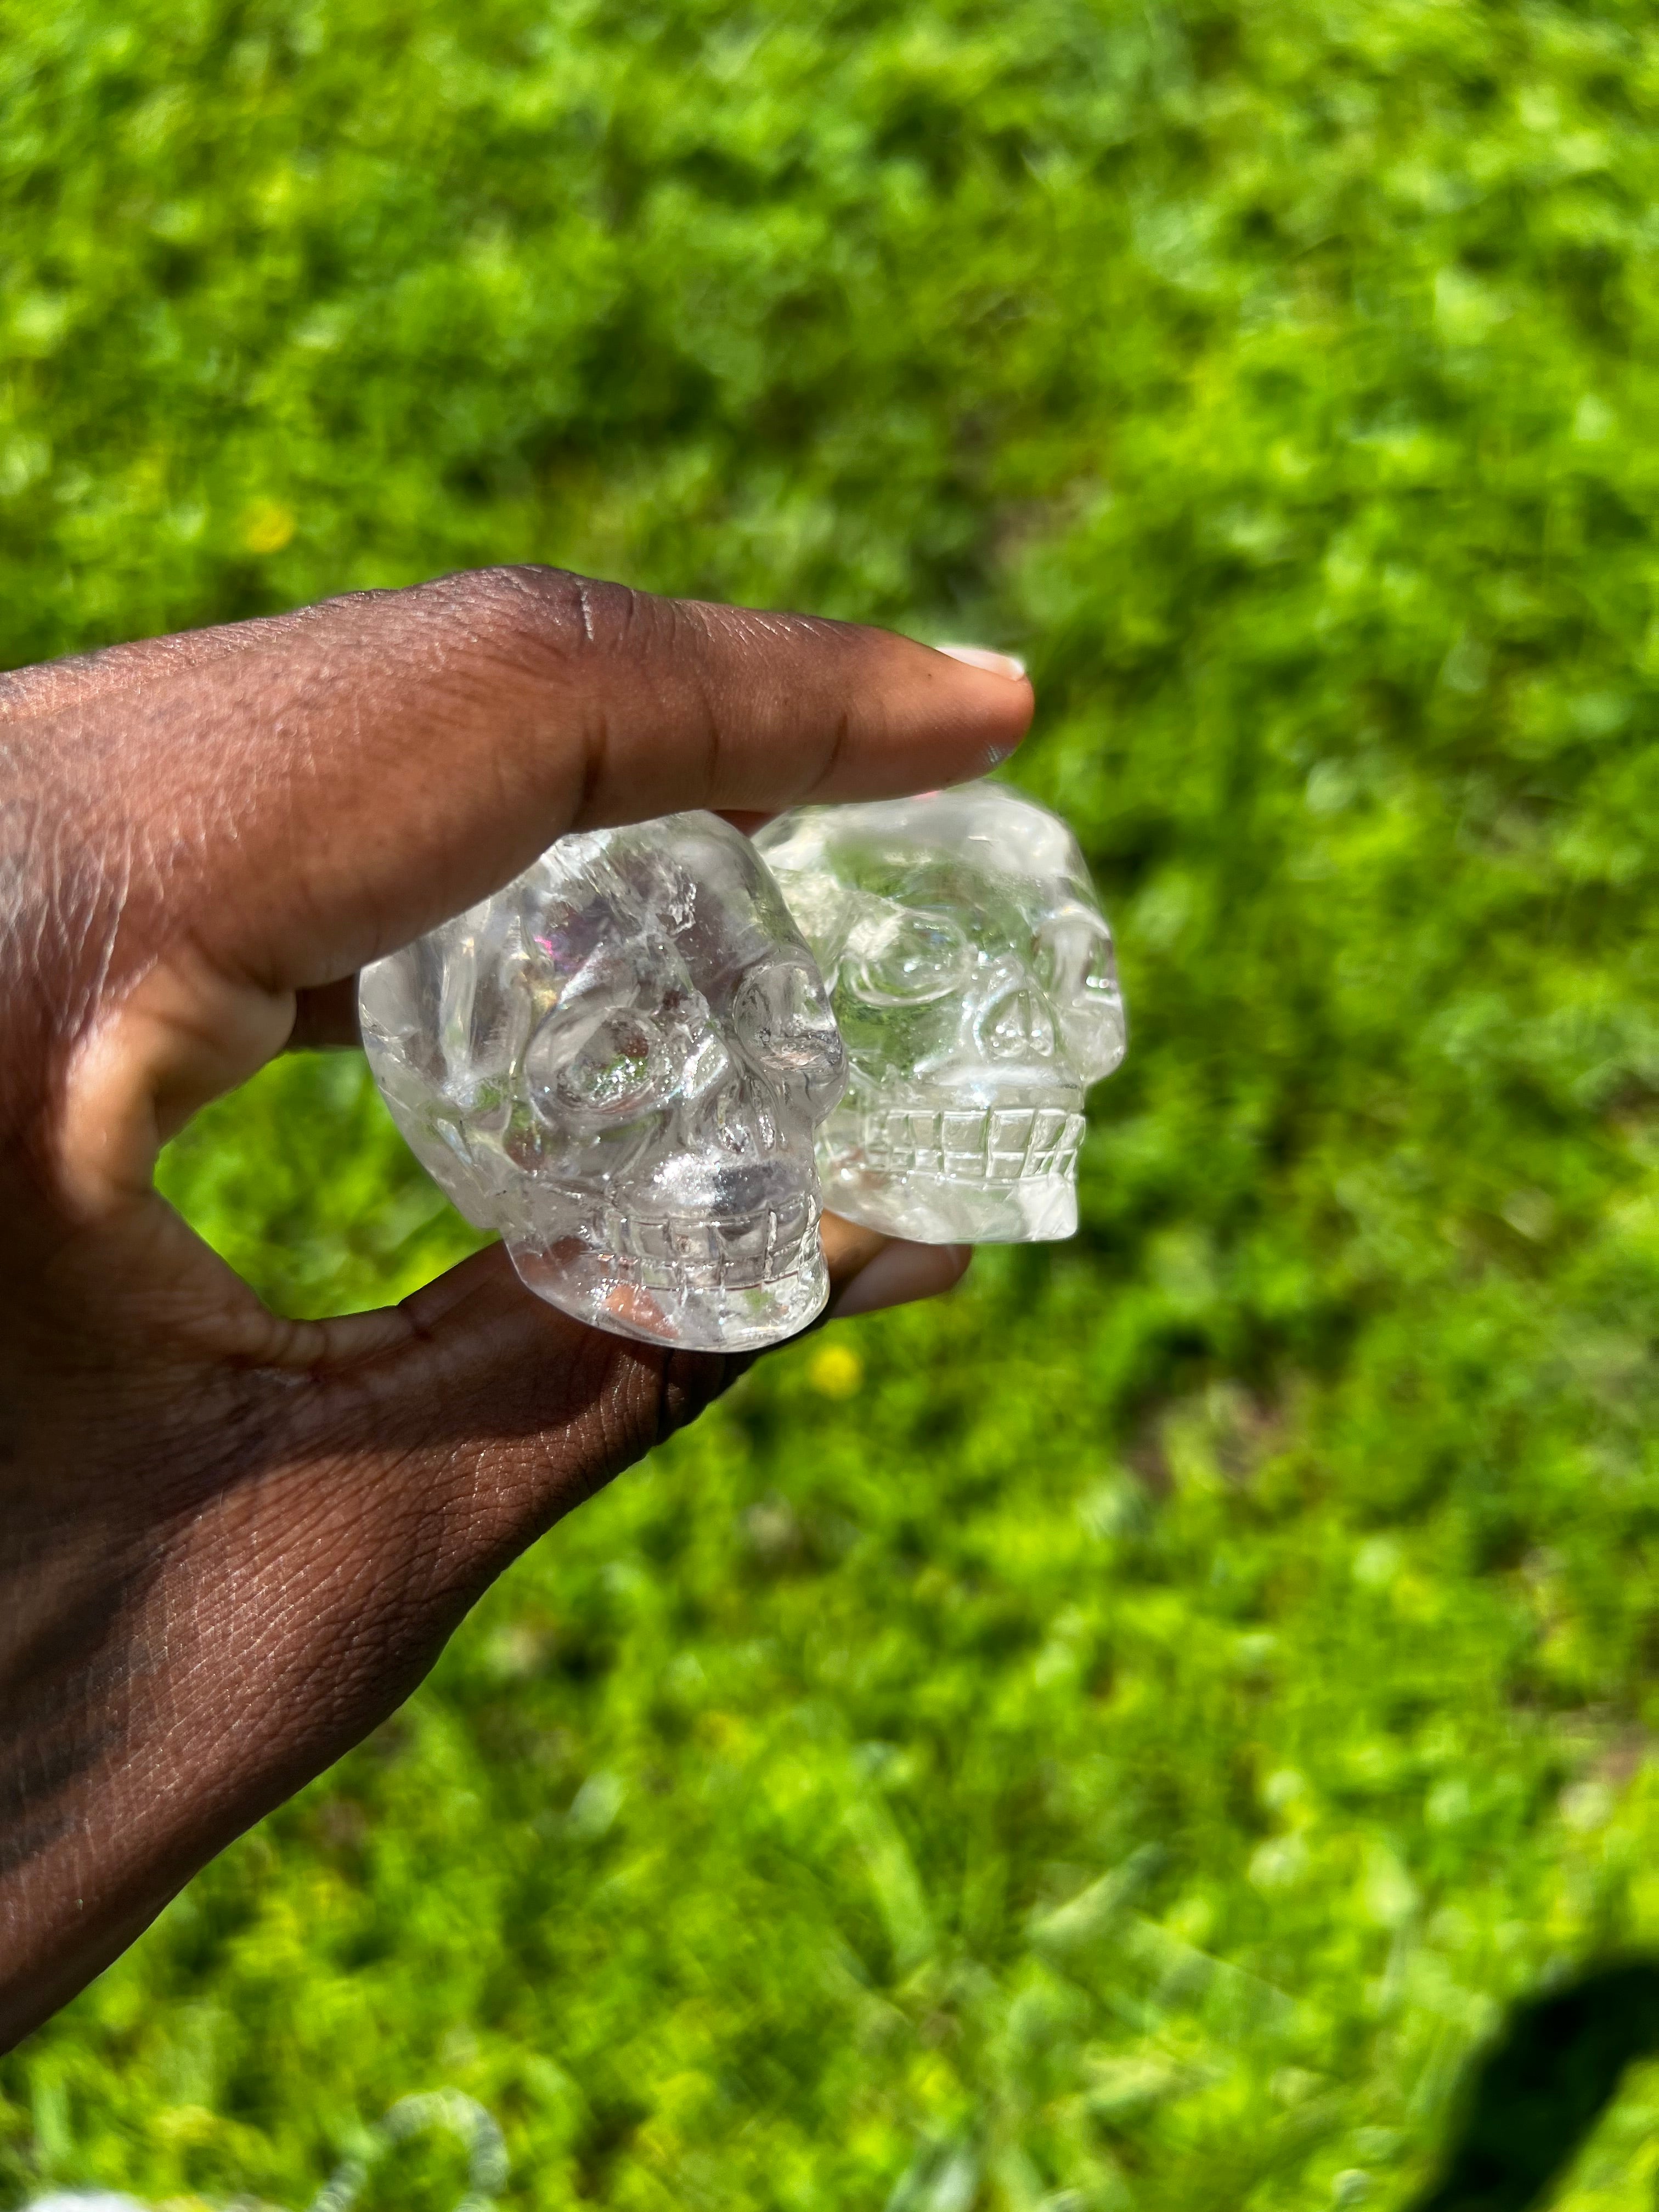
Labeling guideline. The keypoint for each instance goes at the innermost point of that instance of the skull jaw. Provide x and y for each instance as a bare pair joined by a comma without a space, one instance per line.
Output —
997,1176
730,1286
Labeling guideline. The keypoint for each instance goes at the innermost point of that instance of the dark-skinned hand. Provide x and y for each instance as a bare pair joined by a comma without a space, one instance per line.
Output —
230,1544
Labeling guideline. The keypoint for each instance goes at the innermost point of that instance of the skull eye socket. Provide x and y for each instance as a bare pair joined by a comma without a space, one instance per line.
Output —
597,1067
916,958
783,1018
1078,971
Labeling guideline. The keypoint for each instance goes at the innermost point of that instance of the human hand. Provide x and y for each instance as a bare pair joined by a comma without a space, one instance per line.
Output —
230,1544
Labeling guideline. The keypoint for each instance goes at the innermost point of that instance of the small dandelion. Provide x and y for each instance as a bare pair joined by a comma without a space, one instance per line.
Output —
835,1370
268,526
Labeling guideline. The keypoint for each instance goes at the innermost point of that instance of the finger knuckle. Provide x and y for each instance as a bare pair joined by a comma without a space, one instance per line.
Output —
541,616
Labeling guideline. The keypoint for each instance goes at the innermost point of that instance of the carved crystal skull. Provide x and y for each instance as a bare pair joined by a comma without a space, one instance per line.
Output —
618,1062
971,972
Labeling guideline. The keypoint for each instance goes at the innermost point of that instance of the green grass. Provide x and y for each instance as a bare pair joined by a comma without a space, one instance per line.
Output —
1120,1738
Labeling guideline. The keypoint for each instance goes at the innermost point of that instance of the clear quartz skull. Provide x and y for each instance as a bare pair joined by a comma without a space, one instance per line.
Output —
971,972
618,1062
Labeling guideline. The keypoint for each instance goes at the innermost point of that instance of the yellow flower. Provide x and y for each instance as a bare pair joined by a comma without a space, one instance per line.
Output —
835,1370
267,527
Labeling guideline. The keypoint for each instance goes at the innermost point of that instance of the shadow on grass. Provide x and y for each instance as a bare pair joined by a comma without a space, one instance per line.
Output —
1529,2103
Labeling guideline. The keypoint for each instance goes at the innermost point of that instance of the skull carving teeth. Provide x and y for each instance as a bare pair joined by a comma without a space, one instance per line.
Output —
619,1061
971,972
1001,1148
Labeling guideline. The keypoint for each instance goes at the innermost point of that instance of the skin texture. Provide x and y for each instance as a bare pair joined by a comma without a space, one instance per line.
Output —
230,1544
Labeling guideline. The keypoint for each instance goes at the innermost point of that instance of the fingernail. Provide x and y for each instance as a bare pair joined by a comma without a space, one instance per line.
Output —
981,656
901,1273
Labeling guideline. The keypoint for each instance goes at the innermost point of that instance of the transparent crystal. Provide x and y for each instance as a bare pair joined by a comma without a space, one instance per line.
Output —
618,1062
971,972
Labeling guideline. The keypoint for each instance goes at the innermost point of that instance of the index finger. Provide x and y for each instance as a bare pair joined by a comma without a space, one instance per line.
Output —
328,785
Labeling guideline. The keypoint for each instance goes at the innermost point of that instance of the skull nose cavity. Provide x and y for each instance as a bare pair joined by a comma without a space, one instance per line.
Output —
1016,1024
744,1128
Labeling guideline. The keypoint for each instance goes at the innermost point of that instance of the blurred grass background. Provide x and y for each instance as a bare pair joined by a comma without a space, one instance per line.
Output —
1120,1738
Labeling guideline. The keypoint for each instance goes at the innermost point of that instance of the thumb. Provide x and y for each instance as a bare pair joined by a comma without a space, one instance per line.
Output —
516,1412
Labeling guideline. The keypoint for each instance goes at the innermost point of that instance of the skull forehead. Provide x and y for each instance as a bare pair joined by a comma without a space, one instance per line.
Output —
994,858
578,911
686,896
